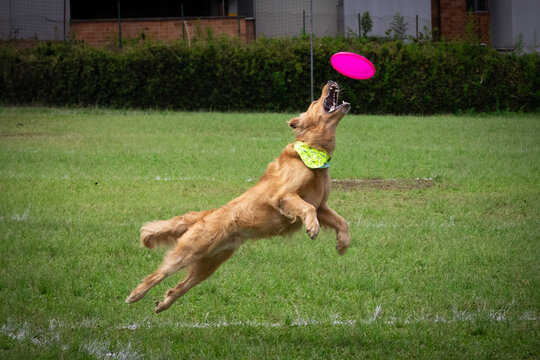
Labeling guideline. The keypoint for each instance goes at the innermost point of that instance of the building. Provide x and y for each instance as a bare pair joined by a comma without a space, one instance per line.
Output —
416,13
514,21
461,19
34,20
286,18
99,21
504,24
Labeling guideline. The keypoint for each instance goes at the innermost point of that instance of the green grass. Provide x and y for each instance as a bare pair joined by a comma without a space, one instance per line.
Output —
447,271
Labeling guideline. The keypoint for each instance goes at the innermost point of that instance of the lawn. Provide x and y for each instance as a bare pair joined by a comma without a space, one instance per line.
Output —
444,214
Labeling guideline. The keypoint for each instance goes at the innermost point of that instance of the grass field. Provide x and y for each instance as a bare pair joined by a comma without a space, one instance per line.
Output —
444,215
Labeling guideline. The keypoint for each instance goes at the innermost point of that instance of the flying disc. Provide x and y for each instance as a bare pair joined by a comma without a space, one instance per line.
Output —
352,65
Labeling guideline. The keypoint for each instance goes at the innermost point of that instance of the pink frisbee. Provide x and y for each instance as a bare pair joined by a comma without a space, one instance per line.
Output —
352,65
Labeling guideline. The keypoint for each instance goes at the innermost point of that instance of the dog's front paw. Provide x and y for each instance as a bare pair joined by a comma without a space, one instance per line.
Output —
313,233
343,244
312,227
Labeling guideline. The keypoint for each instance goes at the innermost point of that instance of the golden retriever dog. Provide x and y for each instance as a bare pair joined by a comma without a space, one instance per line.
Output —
288,195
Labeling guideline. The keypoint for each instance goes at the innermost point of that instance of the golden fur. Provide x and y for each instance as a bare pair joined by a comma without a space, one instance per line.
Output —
288,195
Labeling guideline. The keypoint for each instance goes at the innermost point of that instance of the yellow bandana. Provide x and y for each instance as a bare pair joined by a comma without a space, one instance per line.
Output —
313,158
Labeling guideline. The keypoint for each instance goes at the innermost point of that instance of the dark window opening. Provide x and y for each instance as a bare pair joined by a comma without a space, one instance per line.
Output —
477,5
129,9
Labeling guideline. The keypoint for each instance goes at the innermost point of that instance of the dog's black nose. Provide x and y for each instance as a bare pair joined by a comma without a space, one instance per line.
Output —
333,84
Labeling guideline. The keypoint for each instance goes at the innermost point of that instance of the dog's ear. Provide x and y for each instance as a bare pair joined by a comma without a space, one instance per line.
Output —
295,122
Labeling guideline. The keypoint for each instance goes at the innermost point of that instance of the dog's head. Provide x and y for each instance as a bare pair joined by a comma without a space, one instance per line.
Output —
317,126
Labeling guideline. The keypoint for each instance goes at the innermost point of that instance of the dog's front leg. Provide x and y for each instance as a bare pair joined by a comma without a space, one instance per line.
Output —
330,218
292,206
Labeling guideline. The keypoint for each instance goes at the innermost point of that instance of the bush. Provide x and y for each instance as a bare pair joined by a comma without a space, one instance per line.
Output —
270,75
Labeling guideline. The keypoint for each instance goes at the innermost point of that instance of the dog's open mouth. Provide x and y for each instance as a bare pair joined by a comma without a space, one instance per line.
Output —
331,101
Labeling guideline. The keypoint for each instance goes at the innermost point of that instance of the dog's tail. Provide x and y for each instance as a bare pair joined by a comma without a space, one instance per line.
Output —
162,232
167,232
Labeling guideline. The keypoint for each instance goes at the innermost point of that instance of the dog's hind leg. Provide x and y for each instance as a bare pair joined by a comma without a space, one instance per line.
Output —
176,259
199,271
330,218
190,248
168,267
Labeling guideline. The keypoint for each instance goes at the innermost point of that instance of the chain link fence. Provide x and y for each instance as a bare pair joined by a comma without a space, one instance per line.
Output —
34,20
386,26
284,18
50,20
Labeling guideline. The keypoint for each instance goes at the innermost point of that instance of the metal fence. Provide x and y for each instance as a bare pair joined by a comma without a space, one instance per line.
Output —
285,18
50,19
386,26
34,20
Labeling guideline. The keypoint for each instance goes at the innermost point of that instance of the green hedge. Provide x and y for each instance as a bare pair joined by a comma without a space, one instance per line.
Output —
270,75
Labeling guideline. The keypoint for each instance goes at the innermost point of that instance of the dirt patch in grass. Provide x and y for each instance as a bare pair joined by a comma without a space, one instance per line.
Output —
382,184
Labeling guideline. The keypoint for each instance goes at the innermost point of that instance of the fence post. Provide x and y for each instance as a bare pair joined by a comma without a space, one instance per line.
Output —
239,31
311,45
359,26
182,17
417,27
479,26
119,27
303,22
65,20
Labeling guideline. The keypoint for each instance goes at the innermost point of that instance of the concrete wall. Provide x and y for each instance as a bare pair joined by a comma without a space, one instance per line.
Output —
325,18
501,20
512,19
34,19
284,18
